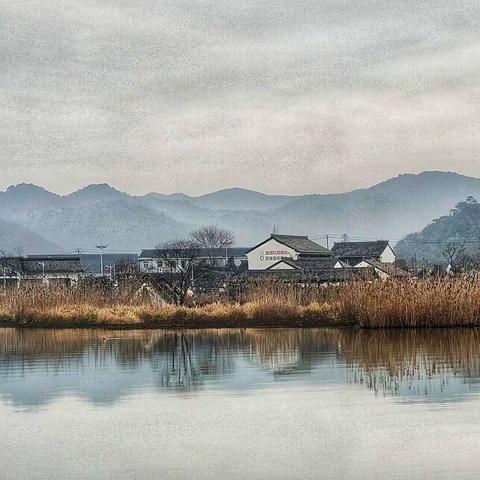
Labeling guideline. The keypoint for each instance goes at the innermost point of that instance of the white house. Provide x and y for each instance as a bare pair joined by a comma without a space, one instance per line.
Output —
50,270
352,253
280,251
150,260
383,270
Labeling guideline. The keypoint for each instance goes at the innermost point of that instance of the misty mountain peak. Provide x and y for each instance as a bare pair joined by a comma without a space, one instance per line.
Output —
391,209
28,189
97,192
27,195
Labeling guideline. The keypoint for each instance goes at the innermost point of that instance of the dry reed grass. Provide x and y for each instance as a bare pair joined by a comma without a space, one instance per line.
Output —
390,304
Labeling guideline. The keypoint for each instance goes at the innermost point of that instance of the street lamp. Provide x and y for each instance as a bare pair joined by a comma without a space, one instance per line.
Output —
101,248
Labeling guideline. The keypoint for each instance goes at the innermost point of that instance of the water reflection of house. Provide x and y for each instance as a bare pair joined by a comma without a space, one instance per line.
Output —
51,270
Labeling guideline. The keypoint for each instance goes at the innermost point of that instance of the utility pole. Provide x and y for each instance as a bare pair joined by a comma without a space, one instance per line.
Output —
327,243
101,248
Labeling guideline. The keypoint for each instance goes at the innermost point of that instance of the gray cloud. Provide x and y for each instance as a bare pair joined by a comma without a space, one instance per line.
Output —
275,95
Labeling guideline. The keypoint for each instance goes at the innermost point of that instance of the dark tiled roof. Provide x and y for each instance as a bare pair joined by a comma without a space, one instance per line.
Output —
148,253
360,249
219,252
36,264
91,261
301,244
314,264
388,268
327,275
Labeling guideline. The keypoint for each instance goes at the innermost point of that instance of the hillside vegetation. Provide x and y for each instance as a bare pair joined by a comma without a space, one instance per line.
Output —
448,237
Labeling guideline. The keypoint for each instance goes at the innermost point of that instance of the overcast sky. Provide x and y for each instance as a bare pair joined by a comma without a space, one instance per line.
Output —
282,96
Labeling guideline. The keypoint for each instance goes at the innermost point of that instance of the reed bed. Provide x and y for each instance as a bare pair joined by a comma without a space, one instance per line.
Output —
450,302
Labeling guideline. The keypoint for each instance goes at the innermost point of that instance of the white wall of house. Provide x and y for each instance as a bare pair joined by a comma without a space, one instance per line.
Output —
338,265
50,278
149,265
388,255
158,265
268,254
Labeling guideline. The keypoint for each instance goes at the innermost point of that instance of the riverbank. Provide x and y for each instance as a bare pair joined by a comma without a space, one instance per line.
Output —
216,315
390,304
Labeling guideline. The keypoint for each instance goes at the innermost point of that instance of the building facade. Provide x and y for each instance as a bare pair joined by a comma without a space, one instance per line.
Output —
352,253
153,260
50,270
284,249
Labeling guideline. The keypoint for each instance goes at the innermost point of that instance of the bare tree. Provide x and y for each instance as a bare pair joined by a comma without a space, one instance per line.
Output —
11,265
179,261
211,239
452,252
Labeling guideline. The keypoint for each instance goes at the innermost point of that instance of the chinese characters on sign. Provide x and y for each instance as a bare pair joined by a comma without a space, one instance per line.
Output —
269,255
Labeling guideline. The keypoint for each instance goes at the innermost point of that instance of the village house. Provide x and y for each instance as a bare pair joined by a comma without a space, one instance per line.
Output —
282,251
352,253
50,270
150,259
377,256
383,270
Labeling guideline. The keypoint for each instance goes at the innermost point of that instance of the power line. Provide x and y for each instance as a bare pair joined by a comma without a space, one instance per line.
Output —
328,236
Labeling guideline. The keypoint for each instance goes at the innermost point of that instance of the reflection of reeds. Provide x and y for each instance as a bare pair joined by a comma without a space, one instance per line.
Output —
398,350
417,358
382,359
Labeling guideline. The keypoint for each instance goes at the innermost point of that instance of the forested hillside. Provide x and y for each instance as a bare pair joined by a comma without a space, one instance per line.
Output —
447,238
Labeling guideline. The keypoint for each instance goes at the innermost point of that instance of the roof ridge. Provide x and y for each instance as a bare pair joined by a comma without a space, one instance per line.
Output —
287,235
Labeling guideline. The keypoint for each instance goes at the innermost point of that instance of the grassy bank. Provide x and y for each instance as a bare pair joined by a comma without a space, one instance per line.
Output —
391,304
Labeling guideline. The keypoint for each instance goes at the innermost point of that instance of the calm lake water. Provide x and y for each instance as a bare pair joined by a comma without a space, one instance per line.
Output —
239,404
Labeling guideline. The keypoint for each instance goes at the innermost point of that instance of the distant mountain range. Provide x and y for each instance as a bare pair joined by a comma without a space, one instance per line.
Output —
43,222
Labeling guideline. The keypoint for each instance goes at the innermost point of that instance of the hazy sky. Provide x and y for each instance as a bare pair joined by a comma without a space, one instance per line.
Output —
286,96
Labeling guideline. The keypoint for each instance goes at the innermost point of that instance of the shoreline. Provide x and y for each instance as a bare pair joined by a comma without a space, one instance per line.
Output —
176,327
148,316
204,323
